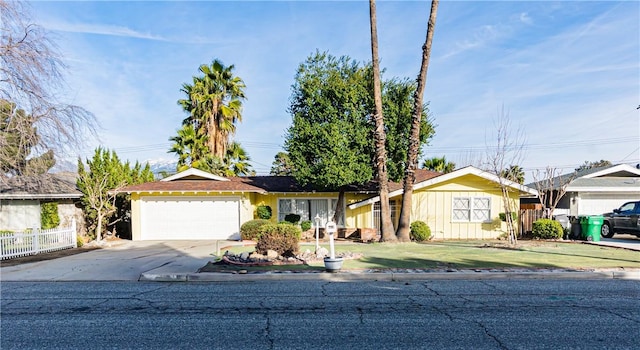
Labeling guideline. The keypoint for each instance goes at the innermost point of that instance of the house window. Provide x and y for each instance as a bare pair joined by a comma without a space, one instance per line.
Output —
308,209
471,209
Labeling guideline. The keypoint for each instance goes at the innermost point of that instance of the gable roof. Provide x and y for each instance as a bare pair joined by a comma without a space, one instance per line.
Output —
610,177
440,178
194,174
44,186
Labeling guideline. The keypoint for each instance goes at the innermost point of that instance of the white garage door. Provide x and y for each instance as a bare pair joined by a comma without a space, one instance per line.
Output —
600,203
171,218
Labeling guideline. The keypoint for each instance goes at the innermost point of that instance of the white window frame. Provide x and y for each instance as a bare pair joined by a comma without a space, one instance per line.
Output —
330,203
472,208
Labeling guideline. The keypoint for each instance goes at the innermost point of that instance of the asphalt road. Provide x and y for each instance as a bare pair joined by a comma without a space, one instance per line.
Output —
439,314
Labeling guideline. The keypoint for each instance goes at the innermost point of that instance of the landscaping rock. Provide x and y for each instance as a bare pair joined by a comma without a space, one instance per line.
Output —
272,254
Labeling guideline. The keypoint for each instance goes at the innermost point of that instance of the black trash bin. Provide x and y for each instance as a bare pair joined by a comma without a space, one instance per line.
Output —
576,229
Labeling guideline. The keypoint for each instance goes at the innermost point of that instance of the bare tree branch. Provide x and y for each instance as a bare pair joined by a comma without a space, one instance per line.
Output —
31,77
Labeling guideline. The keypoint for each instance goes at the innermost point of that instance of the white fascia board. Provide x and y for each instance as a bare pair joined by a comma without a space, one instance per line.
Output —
42,196
613,169
602,189
195,172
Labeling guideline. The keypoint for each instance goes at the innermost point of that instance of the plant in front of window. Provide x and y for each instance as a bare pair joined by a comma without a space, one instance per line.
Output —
420,231
305,225
263,212
292,218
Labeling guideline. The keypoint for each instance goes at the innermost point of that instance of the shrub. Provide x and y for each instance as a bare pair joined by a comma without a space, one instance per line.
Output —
292,218
49,217
305,225
263,212
547,229
250,230
80,241
282,238
503,216
420,231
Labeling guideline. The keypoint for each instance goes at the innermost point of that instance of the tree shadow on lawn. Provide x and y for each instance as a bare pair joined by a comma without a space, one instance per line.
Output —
414,263
525,250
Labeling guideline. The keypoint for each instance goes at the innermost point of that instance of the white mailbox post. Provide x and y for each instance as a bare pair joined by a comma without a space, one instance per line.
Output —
331,229
331,263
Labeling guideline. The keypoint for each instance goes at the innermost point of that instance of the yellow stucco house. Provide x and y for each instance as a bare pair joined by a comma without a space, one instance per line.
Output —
194,204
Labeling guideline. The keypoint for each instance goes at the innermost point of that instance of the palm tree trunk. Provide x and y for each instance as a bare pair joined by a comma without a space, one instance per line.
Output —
387,234
414,137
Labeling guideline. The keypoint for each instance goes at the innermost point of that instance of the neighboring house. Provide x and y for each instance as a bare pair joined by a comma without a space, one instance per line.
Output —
197,205
21,197
598,190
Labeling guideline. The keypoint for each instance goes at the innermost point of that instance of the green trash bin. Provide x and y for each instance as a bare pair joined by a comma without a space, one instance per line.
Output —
591,227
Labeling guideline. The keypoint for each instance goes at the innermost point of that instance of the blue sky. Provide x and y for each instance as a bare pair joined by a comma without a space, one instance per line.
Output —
567,73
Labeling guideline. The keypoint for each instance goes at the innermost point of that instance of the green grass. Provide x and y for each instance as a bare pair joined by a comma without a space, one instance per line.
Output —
474,254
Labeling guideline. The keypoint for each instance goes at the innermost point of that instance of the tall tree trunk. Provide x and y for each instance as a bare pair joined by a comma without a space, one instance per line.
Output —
387,234
338,211
414,137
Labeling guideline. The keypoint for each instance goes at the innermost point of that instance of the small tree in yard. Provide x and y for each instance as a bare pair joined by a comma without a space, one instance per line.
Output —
551,186
99,182
507,151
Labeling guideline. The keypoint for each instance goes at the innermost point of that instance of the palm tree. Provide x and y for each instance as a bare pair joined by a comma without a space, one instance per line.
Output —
514,173
236,161
190,148
414,135
386,229
439,164
214,104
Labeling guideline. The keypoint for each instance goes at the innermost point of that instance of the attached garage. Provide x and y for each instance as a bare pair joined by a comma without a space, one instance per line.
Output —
191,205
171,218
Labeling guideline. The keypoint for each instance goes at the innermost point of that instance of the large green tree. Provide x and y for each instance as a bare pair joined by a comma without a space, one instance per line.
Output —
398,101
329,141
19,140
281,165
99,181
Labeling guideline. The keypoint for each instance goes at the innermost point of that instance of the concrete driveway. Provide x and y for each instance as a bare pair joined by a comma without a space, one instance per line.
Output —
122,261
621,241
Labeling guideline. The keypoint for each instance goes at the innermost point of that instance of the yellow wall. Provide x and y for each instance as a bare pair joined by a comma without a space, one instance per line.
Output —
433,205
271,199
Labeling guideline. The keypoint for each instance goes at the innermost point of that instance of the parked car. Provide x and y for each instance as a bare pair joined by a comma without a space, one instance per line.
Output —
625,219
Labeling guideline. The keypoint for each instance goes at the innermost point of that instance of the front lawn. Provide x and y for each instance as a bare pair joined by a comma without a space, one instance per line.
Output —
470,255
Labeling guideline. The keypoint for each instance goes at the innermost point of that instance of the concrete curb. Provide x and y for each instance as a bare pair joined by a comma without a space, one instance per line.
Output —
347,276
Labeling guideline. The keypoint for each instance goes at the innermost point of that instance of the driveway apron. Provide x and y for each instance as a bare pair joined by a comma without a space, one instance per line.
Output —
122,261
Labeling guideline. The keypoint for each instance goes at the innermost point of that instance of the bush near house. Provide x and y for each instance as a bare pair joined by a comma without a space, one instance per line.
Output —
282,238
292,218
420,231
305,225
547,229
250,230
263,212
49,217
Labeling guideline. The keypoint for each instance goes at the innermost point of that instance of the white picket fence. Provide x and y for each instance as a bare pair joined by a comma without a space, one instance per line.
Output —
16,244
